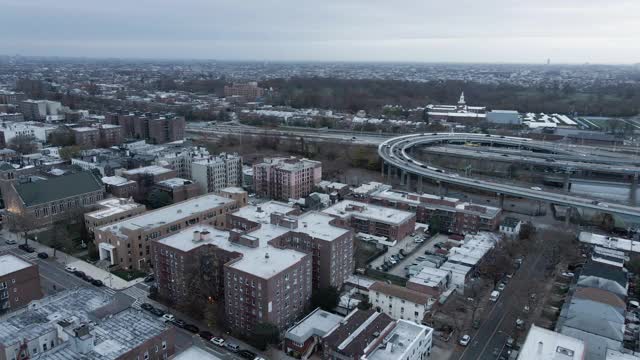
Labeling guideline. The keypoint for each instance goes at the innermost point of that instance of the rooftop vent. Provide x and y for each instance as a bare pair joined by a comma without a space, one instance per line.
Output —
266,255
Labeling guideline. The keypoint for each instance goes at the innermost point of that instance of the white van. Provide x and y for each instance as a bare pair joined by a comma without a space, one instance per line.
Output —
494,295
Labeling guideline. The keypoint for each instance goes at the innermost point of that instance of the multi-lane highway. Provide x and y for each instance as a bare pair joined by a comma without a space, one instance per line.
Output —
396,153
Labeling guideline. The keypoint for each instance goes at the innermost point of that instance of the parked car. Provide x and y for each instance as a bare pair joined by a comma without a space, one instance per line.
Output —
43,255
79,274
217,341
233,347
146,306
191,328
464,340
510,342
247,354
149,278
418,240
168,318
179,323
205,335
568,274
10,242
157,312
88,278
71,269
97,282
501,286
26,248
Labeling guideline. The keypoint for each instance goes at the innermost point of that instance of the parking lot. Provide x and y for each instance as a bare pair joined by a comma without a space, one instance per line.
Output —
408,245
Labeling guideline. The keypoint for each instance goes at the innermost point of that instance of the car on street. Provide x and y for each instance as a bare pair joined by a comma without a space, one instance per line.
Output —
233,347
10,242
157,312
205,335
510,342
26,248
43,255
217,341
464,340
146,306
179,323
568,274
476,324
191,328
97,282
168,318
88,278
149,278
79,274
536,188
501,287
247,354
70,268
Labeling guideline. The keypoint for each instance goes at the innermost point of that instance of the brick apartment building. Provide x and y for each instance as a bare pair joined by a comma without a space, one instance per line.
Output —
286,178
156,128
250,91
85,136
120,187
19,283
49,200
110,211
217,172
127,244
373,219
147,176
178,189
10,97
449,214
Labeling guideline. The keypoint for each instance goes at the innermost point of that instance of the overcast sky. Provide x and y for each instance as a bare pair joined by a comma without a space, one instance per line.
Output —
567,31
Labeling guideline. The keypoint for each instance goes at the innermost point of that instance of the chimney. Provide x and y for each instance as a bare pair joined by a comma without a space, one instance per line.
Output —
196,236
266,256
540,346
204,236
259,209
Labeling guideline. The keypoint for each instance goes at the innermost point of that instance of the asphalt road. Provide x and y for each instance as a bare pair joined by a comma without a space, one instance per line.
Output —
489,341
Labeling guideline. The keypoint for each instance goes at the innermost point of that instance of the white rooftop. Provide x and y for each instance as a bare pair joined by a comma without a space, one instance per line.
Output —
318,323
610,242
262,213
152,169
367,188
112,207
195,353
617,355
168,214
550,345
10,264
316,225
175,182
115,180
403,337
263,261
370,212
84,129
234,190
429,276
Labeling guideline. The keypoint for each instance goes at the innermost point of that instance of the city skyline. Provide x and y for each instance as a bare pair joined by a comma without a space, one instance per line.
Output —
352,31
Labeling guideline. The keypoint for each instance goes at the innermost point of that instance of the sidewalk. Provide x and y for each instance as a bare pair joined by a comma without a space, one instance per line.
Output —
95,272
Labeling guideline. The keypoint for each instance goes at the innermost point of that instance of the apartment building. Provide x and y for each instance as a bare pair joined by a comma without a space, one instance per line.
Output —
85,323
110,211
147,176
286,178
178,189
120,187
11,97
249,91
156,128
180,160
39,109
313,232
448,214
217,172
253,280
37,131
52,199
127,244
19,283
373,219
85,136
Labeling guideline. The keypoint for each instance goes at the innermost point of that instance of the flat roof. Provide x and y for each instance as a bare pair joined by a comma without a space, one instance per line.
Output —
175,182
317,225
545,344
611,242
253,261
429,276
195,353
262,213
167,214
368,211
113,206
115,180
11,263
151,169
403,337
317,323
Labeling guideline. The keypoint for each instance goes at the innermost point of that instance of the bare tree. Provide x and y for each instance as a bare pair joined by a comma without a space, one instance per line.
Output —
21,223
24,144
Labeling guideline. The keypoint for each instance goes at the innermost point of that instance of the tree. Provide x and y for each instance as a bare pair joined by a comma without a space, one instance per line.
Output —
265,333
59,233
211,313
67,152
24,144
21,223
158,198
364,304
325,298
62,137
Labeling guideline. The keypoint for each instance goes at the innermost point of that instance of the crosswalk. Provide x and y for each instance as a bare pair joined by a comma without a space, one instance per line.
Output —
139,294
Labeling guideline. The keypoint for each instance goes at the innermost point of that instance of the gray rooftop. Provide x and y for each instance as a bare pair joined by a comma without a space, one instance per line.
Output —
318,323
58,188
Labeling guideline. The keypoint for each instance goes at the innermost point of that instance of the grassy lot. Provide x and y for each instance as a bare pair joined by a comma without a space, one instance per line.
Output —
128,274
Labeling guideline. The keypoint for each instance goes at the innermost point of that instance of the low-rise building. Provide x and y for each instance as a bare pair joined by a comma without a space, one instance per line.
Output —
147,176
127,243
178,189
373,219
110,211
430,281
120,187
19,283
510,227
546,344
54,198
85,323
302,338
399,302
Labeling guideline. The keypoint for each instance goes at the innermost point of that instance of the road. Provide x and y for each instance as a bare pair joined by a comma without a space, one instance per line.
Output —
489,341
395,153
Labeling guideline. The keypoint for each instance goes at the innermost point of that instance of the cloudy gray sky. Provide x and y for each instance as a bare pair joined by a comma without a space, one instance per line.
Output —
571,31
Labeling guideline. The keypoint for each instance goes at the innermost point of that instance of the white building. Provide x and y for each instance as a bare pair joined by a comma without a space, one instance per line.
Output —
510,227
550,345
217,172
181,161
407,341
398,302
36,130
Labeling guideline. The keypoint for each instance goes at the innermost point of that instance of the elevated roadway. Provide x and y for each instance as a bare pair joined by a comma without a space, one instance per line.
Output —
396,153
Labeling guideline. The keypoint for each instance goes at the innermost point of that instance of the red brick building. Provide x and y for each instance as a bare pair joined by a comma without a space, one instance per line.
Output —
19,283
